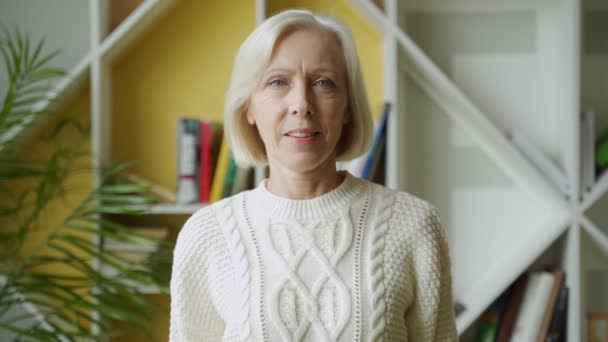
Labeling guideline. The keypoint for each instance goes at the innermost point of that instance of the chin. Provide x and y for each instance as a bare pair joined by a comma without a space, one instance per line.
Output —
305,164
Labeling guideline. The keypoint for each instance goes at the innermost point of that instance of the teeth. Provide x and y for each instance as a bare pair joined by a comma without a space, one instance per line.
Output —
301,135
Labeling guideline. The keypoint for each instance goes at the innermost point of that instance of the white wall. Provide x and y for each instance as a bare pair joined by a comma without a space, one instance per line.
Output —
64,23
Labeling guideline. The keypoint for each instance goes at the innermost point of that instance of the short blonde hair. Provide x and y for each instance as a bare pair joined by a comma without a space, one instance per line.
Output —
249,64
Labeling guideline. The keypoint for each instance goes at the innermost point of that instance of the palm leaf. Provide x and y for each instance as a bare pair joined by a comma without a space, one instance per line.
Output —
64,302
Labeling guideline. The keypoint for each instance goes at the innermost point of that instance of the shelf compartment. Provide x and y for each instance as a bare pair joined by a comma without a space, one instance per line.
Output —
495,228
594,80
186,68
594,280
144,16
594,221
480,75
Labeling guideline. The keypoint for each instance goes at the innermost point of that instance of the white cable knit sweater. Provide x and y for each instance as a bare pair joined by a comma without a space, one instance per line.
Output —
359,263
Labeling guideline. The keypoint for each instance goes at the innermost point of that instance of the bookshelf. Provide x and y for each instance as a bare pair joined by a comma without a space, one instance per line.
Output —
468,73
463,74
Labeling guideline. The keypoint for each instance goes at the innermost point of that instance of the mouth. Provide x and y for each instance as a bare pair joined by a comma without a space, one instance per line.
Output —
302,133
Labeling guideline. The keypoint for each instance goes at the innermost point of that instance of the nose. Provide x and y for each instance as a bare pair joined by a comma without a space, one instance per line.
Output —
300,103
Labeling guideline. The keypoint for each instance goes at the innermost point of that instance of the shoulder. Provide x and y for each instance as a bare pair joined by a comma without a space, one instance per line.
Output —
403,206
203,228
407,215
206,219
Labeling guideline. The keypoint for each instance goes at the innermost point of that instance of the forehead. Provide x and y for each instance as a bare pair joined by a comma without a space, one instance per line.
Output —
307,46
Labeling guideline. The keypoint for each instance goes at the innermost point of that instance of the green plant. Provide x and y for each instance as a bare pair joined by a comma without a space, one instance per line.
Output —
67,305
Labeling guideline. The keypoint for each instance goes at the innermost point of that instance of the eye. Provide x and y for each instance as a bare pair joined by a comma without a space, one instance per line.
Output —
325,83
277,82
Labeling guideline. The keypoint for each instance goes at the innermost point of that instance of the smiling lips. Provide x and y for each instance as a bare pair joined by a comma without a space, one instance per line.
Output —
303,135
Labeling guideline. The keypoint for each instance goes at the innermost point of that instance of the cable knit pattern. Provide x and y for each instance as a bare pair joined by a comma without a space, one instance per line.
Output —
323,242
359,263
378,319
241,266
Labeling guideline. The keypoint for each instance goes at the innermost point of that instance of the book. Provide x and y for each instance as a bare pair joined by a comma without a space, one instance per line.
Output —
217,187
377,146
541,162
558,325
533,306
601,154
229,179
588,149
378,170
187,161
489,320
512,306
210,137
558,282
242,179
204,185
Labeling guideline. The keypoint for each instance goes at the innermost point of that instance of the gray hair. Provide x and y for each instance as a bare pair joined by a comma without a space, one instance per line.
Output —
249,64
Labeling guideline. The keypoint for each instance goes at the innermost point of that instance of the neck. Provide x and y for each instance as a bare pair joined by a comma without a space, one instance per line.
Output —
303,185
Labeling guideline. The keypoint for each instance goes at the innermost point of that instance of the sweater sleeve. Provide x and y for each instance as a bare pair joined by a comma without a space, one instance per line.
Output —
193,315
431,315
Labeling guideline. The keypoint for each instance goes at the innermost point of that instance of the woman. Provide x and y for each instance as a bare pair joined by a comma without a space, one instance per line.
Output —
311,254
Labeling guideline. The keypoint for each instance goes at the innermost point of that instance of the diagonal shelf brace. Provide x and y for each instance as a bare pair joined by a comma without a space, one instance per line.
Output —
64,87
133,26
596,233
459,108
599,189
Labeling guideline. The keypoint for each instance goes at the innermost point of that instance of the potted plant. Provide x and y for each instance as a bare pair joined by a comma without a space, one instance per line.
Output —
37,302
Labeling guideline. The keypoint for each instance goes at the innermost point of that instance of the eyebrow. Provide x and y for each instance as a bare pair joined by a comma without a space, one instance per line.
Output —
318,70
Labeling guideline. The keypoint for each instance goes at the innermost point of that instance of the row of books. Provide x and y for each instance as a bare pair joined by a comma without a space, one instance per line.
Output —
206,170
533,308
371,164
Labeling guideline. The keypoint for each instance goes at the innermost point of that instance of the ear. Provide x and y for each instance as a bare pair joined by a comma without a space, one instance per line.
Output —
249,115
250,118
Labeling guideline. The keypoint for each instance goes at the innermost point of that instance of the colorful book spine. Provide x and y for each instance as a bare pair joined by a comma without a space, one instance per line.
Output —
187,161
205,161
533,306
376,144
217,186
512,306
229,180
241,180
559,277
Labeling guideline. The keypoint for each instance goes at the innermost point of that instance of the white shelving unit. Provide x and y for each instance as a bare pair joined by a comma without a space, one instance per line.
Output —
463,74
469,72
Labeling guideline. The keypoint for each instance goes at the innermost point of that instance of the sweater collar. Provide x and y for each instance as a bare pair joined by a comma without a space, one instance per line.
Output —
320,206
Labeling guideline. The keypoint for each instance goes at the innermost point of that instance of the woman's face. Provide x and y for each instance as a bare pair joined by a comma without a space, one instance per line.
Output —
300,104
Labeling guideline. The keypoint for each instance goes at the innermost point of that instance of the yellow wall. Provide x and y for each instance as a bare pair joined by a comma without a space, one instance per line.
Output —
181,67
36,145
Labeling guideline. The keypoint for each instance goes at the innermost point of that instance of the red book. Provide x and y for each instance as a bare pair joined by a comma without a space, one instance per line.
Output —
205,158
511,310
